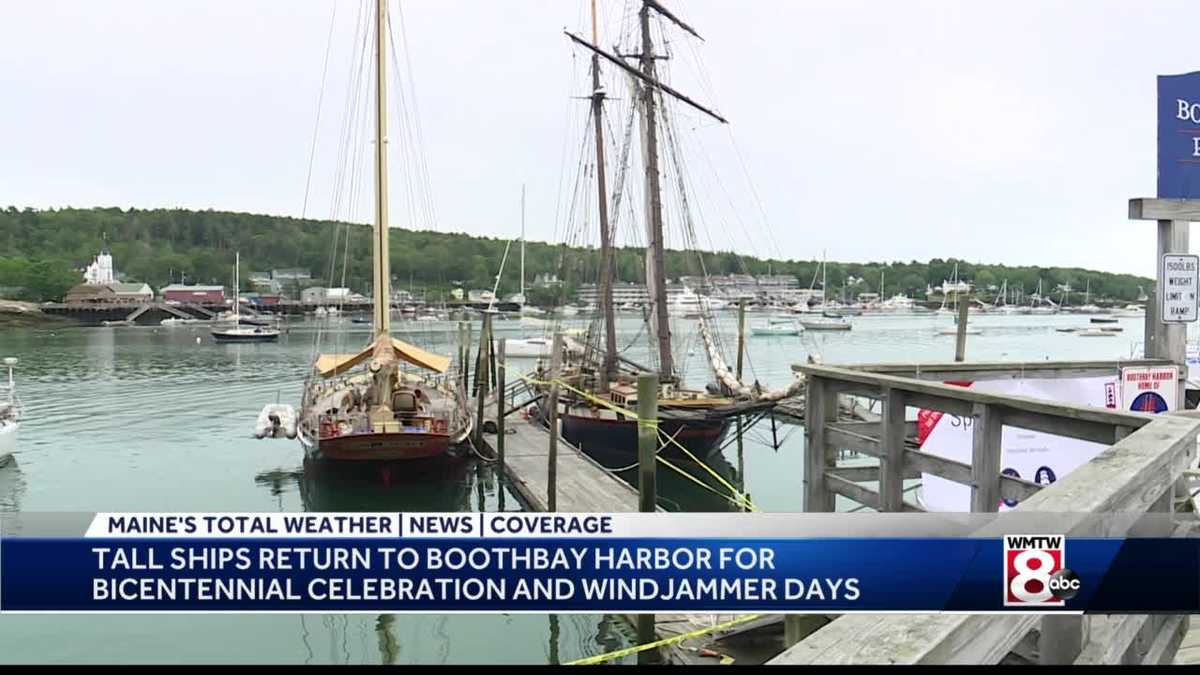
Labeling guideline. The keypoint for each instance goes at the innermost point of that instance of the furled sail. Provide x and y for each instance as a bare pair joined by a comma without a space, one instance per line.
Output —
727,377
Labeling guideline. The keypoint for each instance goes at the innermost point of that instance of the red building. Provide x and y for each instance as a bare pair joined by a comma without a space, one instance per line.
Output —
206,295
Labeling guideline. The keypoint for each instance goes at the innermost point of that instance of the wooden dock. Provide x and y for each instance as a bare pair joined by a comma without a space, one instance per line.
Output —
1144,470
584,486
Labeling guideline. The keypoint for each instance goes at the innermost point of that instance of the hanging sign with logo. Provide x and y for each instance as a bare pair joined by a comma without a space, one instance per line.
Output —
1152,389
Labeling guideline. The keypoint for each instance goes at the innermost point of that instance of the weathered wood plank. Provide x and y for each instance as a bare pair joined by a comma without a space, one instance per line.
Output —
1164,209
891,465
1000,370
985,458
958,399
1131,476
817,497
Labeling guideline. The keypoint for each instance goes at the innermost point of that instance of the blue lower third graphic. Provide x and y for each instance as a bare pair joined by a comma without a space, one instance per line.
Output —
578,575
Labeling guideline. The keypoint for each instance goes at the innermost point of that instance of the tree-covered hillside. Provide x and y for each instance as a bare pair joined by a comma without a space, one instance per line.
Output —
41,252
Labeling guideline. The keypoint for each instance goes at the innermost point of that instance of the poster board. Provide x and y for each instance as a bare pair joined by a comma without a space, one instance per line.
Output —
1033,455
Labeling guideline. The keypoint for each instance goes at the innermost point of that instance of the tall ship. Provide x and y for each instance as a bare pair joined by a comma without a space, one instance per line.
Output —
389,400
601,390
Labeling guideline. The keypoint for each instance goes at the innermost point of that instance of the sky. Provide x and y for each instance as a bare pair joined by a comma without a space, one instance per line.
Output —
1010,132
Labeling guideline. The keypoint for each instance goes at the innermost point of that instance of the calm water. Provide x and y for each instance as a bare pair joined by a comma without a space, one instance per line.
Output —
150,419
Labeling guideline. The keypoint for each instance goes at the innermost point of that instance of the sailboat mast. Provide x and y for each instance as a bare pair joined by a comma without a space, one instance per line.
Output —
606,256
522,242
382,281
237,287
656,256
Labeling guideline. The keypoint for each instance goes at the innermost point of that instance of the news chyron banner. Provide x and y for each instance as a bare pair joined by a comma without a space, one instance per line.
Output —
588,563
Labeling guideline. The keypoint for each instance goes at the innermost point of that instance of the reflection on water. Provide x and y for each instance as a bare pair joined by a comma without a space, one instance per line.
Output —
160,419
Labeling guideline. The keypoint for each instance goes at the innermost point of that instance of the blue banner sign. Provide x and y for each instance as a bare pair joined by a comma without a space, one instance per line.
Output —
1179,136
599,574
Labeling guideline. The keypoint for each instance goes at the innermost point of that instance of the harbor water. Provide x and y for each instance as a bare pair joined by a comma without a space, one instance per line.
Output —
161,419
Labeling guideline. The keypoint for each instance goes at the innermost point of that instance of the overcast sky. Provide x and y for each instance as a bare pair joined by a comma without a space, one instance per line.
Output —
1009,132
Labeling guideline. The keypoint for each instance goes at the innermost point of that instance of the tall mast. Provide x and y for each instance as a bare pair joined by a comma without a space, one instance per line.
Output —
522,242
606,258
382,281
237,287
655,254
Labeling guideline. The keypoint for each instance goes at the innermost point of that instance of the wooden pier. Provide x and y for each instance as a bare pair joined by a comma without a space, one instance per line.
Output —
1143,471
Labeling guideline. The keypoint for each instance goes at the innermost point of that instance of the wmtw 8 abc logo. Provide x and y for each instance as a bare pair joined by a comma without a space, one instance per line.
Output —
1035,571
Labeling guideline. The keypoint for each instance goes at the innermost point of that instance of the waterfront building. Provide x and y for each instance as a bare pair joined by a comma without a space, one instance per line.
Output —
193,293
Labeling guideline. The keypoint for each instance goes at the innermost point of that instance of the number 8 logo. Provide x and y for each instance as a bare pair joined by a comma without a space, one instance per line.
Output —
1026,573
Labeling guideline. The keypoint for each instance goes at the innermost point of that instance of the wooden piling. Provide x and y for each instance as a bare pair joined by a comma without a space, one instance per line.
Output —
552,469
481,377
960,339
741,444
647,409
501,377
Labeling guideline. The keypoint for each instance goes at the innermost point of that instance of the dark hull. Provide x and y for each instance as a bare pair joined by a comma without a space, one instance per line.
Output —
231,337
391,447
701,438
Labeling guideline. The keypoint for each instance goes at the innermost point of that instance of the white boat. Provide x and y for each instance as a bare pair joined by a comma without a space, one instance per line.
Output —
1130,311
777,329
954,331
825,324
1095,332
427,317
10,412
276,420
530,348
897,303
176,321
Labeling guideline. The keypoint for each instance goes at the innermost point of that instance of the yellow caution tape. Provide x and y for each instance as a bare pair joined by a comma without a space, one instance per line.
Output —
628,651
735,495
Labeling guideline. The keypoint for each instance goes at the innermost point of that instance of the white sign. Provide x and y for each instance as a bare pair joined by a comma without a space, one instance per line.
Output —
1032,455
1149,389
1178,283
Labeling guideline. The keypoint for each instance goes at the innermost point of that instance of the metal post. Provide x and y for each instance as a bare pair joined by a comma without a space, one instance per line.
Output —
960,340
647,409
552,468
500,402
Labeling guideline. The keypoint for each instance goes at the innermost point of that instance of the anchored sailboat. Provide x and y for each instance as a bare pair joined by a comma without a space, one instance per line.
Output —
237,332
600,379
391,400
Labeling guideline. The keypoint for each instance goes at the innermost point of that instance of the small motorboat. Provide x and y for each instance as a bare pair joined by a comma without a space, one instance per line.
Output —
1096,332
361,319
1066,330
1111,329
10,412
954,331
276,420
531,348
1102,319
825,324
177,321
791,328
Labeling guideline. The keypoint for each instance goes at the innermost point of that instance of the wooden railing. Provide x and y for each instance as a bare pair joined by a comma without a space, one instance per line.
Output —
1139,473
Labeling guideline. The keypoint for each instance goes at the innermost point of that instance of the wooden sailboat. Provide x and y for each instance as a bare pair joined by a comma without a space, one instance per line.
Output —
693,418
391,400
